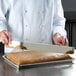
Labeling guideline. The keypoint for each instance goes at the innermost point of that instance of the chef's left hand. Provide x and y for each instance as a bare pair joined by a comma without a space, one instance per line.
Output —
60,40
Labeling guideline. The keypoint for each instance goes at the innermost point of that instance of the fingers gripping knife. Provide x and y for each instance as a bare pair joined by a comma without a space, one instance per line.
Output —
14,46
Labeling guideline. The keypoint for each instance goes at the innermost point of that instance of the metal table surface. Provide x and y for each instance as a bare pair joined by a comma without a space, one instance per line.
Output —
47,70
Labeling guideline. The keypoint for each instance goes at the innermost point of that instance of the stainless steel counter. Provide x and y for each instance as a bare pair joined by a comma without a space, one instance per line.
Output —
47,70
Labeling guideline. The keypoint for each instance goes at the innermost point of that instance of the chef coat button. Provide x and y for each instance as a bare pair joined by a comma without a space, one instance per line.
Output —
40,26
42,40
26,25
43,11
26,39
25,11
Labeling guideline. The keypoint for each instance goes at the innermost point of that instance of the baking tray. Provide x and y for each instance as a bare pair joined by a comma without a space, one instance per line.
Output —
51,63
43,47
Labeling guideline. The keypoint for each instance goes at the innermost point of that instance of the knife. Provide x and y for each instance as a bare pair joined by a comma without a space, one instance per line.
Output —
14,46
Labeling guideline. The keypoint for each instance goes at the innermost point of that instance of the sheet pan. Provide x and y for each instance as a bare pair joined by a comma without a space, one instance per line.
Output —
43,47
51,63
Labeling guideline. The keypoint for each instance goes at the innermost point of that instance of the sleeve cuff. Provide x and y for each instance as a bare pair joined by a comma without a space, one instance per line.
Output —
1,29
61,32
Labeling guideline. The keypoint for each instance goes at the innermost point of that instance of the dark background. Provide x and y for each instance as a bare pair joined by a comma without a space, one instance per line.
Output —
69,7
1,49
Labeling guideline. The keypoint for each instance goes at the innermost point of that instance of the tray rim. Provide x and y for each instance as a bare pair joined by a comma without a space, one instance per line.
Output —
59,62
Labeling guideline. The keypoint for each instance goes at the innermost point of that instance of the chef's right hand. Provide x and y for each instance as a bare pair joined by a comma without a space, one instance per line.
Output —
5,37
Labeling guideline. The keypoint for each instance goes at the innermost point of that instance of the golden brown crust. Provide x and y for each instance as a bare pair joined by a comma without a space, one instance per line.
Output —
30,57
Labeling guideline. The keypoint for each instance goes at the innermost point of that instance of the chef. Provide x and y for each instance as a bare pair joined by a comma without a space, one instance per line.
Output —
37,21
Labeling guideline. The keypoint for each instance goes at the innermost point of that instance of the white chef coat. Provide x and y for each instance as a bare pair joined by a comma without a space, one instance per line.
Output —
32,20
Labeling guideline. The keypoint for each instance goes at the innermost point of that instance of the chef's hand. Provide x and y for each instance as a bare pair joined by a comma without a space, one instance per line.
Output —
5,37
60,40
